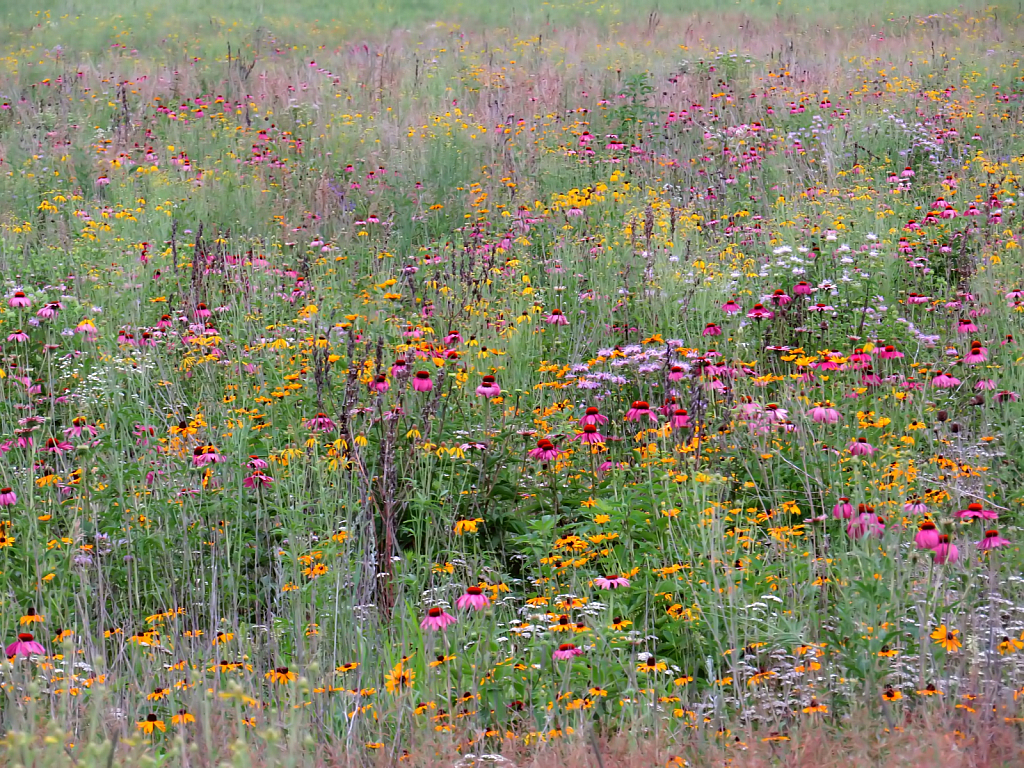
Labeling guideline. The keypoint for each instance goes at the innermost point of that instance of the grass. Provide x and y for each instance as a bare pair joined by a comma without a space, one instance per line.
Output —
776,248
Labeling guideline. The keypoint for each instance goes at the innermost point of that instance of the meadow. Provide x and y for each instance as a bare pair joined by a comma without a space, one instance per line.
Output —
550,383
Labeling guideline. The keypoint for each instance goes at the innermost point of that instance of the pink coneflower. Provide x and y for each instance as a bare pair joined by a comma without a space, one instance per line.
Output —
775,413
7,497
945,381
927,535
18,336
760,313
711,329
255,462
399,367
731,307
53,445
890,353
436,619
1006,396
803,288
780,298
78,427
320,423
566,651
680,418
866,524
945,552
638,410
907,173
966,326
843,510
613,581
592,416
861,447
590,435
474,599
915,506
205,454
917,298
19,301
985,384
257,480
545,451
976,510
380,383
824,413
978,354
992,540
488,387
556,318
421,381
676,372
25,645
49,311
202,312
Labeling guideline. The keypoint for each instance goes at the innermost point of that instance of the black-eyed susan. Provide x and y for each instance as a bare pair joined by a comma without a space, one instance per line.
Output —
442,659
31,617
887,653
281,675
223,637
619,623
930,690
651,664
562,624
399,678
347,667
947,639
6,541
815,708
157,694
891,694
1010,645
182,717
150,724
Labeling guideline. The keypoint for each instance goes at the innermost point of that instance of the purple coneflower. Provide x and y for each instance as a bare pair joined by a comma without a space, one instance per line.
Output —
436,619
421,381
945,381
590,435
945,552
557,318
25,645
976,510
545,451
320,423
824,413
488,387
380,383
861,447
7,497
712,329
613,581
592,416
843,510
566,651
474,599
992,540
638,410
19,301
927,535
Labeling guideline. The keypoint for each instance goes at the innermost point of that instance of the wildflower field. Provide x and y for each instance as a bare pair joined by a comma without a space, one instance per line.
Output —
550,383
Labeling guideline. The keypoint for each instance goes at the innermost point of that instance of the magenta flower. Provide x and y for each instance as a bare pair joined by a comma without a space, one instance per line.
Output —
488,387
945,552
843,510
54,445
824,413
202,312
676,373
545,451
774,413
255,462
474,599
638,410
1005,395
592,416
566,651
320,423
25,645
803,288
7,497
915,507
976,510
399,367
966,326
861,447
760,313
590,435
49,311
556,318
257,480
712,329
985,384
19,301
421,381
731,307
680,418
889,352
978,354
945,381
927,535
436,619
612,581
205,454
866,524
992,540
19,336
780,298
380,383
